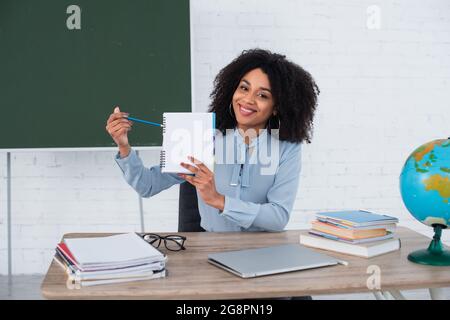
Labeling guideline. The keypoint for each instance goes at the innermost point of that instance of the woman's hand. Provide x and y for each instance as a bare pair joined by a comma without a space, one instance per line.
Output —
117,127
204,182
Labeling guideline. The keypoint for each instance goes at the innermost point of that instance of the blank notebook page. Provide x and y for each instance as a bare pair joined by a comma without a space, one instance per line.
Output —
117,248
187,134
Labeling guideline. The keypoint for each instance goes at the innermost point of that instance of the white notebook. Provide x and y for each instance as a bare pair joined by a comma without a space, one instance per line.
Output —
76,283
365,250
187,134
113,251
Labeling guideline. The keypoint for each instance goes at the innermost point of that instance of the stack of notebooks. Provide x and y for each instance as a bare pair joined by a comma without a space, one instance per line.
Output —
105,260
360,233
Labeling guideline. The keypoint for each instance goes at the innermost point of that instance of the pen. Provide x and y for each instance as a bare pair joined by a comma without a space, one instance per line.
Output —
144,121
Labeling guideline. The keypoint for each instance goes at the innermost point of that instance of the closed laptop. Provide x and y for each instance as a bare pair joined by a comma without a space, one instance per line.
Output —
251,263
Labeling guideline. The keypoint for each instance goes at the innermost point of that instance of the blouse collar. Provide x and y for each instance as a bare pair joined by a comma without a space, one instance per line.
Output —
242,161
254,141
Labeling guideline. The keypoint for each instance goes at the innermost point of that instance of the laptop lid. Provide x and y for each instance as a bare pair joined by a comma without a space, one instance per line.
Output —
271,260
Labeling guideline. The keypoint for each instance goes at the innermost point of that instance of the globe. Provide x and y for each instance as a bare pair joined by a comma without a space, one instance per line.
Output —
425,190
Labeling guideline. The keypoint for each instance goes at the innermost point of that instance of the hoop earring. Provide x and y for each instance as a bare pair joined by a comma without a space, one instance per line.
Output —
229,110
269,126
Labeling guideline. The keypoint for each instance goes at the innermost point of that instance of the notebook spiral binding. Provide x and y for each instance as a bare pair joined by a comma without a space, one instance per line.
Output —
162,155
162,159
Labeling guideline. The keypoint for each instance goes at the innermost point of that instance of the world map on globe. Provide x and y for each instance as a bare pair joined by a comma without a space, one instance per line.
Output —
425,183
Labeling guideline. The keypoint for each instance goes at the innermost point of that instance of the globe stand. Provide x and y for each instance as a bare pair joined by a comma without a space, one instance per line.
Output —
435,255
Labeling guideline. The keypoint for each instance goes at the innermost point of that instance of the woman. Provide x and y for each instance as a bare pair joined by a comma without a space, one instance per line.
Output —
258,90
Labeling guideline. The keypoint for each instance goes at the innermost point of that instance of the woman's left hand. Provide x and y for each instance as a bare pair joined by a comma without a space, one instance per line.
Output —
204,182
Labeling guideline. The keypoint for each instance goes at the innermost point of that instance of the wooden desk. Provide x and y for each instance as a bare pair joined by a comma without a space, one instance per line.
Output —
190,276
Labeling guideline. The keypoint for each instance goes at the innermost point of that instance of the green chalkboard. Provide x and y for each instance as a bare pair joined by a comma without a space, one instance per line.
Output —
63,68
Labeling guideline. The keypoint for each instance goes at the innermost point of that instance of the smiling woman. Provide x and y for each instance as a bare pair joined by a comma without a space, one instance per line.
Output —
255,96
261,89
252,101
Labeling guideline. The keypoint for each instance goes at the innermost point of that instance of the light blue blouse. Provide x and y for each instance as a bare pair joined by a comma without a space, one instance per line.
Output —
258,196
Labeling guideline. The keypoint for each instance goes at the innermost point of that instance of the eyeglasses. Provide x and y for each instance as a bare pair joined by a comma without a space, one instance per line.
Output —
171,242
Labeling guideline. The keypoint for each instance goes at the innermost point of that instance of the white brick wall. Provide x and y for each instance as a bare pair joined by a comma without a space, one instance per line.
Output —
384,92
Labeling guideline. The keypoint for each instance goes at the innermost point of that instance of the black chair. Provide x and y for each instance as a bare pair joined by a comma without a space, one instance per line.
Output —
188,214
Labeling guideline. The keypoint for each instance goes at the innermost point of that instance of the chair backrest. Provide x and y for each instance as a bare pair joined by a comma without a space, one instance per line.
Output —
188,214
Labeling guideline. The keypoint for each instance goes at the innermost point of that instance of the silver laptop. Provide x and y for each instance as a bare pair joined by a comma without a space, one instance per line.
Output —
251,263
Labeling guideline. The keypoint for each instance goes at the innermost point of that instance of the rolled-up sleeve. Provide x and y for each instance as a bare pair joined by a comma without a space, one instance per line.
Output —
273,215
146,181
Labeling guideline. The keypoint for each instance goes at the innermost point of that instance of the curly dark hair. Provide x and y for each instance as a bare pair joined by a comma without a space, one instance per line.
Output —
294,91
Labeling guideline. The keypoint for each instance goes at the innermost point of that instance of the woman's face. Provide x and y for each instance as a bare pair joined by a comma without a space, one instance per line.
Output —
253,101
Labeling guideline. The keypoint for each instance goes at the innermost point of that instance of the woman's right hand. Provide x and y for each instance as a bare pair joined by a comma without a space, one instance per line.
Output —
117,127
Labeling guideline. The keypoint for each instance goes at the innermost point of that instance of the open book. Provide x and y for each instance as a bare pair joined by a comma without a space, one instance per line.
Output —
187,134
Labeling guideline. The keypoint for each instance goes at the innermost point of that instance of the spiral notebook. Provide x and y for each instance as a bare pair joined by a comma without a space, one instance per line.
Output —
187,134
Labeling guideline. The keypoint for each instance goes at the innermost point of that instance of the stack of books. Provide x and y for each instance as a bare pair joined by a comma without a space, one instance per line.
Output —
105,260
360,233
